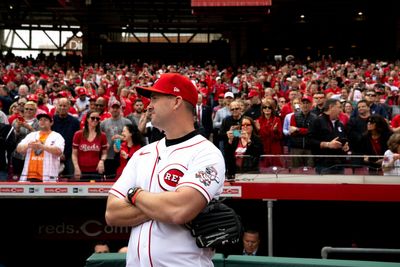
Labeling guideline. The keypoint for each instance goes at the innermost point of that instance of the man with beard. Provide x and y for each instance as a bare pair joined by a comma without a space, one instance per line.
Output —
113,127
137,112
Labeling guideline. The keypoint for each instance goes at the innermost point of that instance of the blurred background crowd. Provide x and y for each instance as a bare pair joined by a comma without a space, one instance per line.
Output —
254,113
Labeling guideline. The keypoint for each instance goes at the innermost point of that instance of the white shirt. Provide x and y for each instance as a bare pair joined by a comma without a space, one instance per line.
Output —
221,114
286,124
51,163
156,168
388,161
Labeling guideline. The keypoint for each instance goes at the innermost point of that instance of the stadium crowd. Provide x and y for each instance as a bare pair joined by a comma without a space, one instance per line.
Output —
312,111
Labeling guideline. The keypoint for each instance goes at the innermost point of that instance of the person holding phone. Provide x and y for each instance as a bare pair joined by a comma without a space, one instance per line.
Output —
24,125
132,140
231,122
243,152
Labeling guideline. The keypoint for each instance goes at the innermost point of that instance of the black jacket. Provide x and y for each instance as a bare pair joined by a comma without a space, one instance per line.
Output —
66,127
206,120
322,130
355,129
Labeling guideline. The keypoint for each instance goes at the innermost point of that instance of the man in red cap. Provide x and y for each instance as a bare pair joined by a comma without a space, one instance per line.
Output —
43,150
167,183
254,111
113,127
82,102
298,132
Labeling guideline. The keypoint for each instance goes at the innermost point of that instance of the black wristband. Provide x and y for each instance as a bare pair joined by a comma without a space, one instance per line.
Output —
132,193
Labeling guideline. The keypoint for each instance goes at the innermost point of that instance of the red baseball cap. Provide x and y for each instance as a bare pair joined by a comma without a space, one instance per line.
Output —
92,98
62,94
115,103
172,84
307,98
32,97
44,114
81,91
252,93
40,91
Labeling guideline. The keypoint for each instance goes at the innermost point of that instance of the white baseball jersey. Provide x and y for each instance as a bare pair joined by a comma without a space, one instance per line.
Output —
51,163
156,167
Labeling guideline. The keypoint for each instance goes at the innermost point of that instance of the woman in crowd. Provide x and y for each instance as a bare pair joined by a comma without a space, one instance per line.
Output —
243,150
89,149
13,112
281,103
23,125
132,140
391,159
374,142
270,128
18,111
347,109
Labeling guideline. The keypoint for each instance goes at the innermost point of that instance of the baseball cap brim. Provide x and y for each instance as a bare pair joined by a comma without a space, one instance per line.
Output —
40,115
147,91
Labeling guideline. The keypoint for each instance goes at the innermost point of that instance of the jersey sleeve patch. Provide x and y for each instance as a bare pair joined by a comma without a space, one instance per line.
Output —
208,176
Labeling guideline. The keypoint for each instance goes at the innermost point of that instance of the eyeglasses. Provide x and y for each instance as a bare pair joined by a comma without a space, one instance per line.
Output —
246,124
233,109
371,94
95,118
99,105
267,107
29,109
22,103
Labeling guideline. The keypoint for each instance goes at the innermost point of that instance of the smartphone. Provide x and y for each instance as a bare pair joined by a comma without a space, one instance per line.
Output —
236,133
118,144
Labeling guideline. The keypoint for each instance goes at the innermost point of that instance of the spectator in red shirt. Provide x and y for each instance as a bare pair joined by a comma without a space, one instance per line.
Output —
270,128
89,149
132,141
334,89
219,88
395,123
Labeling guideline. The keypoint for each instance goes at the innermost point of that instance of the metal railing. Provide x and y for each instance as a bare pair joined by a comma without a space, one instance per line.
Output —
326,250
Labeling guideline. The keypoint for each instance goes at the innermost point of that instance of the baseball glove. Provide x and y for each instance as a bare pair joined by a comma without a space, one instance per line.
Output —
215,226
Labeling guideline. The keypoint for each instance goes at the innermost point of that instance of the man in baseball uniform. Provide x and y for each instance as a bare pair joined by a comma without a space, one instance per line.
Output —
167,183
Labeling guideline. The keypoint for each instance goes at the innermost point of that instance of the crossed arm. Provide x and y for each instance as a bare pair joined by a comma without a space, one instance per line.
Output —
176,207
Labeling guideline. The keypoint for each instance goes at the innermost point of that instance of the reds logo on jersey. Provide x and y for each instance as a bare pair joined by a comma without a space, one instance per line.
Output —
169,177
172,177
208,175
